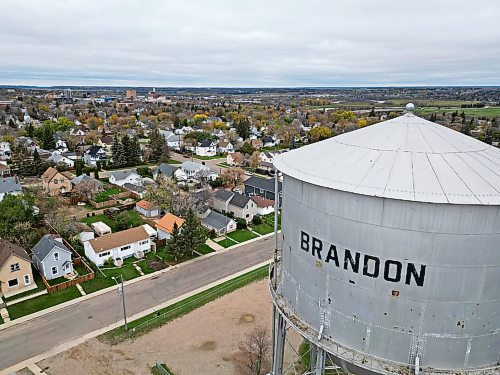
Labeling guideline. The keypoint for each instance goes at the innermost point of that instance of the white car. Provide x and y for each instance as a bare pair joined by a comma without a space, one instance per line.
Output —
247,173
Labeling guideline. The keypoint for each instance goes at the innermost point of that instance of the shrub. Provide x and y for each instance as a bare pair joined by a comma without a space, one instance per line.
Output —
143,171
241,223
212,233
257,220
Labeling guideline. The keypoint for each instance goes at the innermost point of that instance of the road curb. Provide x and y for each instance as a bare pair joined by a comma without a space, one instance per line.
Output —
70,344
72,302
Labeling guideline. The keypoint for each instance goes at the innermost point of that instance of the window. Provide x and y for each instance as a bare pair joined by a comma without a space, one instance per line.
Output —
62,180
55,182
27,280
143,242
105,254
14,267
125,248
56,256
13,283
54,270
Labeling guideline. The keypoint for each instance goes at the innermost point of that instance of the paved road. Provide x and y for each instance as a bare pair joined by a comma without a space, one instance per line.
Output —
36,336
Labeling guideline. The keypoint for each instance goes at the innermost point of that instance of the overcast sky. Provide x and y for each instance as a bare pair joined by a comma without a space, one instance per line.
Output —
250,43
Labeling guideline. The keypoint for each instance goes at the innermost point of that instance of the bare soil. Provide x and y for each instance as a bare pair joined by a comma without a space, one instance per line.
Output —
204,341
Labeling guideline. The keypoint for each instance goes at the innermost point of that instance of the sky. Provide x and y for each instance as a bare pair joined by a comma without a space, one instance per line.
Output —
236,43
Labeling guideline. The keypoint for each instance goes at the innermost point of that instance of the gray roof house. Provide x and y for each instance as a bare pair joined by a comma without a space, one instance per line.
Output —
219,223
164,169
263,187
94,184
9,185
123,177
51,257
239,205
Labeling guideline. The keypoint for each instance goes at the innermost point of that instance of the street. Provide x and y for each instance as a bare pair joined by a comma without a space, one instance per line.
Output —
39,335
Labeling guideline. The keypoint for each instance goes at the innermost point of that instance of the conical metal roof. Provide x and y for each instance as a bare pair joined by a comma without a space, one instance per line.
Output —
406,158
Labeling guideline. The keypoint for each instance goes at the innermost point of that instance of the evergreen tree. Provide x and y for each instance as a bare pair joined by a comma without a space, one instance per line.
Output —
30,130
135,151
116,150
193,234
78,167
121,158
48,141
175,243
372,113
127,150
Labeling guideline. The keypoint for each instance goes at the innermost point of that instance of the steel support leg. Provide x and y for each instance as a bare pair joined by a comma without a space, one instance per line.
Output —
312,357
320,361
279,342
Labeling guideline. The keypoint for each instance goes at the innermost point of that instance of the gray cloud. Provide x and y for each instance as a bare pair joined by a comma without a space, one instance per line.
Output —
255,43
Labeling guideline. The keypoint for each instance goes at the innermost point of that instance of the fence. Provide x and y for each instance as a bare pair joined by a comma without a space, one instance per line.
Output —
105,204
162,370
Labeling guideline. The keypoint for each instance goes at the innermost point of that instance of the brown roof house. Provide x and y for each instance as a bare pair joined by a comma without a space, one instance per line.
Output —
147,209
55,182
120,245
15,269
235,158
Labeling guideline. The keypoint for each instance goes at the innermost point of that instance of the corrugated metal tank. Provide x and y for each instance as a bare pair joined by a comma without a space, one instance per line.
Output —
407,267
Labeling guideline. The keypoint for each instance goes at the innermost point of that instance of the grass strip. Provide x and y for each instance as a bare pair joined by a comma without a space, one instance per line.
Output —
151,321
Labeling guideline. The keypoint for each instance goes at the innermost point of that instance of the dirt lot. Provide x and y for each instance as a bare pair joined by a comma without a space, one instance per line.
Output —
202,342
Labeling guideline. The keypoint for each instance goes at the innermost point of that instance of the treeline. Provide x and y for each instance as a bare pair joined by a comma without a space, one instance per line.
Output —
126,152
473,105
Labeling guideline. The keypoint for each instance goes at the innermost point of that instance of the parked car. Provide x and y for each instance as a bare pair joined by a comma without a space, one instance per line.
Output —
112,212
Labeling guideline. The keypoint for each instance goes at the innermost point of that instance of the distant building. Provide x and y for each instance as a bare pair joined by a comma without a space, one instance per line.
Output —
67,94
131,94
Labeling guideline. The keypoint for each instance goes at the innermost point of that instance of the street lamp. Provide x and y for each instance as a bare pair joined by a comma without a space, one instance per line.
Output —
121,291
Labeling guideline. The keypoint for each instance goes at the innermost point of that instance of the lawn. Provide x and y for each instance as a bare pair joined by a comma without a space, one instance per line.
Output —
224,165
57,280
263,228
226,243
42,302
242,235
80,269
104,196
100,281
106,220
204,249
479,112
208,157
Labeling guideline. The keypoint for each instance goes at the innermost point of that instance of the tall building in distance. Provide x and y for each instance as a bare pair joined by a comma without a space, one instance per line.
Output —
131,94
67,94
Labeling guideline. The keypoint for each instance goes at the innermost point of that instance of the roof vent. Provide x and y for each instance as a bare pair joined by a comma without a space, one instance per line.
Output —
410,107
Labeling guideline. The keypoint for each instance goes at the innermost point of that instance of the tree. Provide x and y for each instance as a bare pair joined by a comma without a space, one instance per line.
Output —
231,177
135,151
128,219
163,194
193,234
158,146
255,160
243,128
30,130
79,167
246,148
48,141
116,149
16,219
372,112
320,133
253,355
175,243
127,150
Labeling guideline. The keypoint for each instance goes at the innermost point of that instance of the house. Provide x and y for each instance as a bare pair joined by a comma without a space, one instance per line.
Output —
61,146
263,187
219,223
4,170
9,185
256,143
54,182
239,205
105,142
165,226
5,151
264,206
57,158
129,176
51,257
91,184
93,155
269,141
206,148
266,167
267,156
15,270
173,140
118,246
147,209
225,148
197,170
139,190
235,159
165,170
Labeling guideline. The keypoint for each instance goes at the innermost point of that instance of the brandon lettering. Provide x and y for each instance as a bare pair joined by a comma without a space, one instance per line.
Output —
369,265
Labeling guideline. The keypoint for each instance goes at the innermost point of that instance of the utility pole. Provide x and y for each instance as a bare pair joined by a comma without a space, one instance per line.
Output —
121,291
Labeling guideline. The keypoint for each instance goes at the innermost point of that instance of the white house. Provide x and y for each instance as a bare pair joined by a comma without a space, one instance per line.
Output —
206,148
57,158
61,146
5,151
225,148
129,176
197,170
118,246
93,155
264,206
147,209
165,226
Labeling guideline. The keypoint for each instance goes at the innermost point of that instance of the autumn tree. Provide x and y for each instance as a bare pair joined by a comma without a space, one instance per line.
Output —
255,160
163,194
320,133
253,355
231,177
